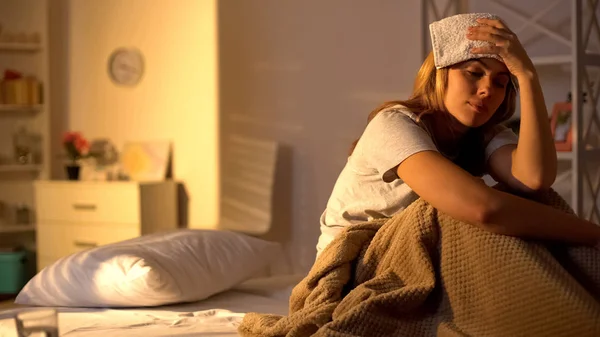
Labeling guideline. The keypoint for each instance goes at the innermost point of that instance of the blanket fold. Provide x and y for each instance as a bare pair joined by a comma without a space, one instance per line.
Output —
423,273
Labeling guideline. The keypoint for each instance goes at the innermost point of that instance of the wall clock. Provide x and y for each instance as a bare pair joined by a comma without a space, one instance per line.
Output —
126,66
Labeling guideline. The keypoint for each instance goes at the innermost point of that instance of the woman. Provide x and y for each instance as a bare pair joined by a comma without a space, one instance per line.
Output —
438,144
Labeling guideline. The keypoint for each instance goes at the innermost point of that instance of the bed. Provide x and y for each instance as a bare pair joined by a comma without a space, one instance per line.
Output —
218,315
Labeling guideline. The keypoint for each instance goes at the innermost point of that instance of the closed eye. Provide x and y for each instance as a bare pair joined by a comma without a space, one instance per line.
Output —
502,81
500,84
476,74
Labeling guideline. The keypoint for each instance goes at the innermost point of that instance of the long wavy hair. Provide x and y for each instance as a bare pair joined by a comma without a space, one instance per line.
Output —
428,98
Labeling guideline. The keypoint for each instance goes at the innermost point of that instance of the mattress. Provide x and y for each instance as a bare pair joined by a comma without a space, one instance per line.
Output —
219,315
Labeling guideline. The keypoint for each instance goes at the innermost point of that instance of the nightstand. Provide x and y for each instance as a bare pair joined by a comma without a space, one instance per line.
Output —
77,215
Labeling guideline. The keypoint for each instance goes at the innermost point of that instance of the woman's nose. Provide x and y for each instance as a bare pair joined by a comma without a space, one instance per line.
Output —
484,88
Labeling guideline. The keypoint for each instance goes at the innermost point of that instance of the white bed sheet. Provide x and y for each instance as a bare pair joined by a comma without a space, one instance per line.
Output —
219,315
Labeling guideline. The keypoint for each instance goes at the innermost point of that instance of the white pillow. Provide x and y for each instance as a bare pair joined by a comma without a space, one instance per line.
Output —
181,266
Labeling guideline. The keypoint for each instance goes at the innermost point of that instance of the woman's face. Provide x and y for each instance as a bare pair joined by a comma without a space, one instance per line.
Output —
475,90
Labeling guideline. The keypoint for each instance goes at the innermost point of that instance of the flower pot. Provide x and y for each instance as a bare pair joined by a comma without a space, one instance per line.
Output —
73,172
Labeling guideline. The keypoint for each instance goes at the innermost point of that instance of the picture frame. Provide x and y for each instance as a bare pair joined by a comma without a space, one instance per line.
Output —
146,161
561,125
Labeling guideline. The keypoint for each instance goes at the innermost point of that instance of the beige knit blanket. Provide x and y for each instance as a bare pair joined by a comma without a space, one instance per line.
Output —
422,273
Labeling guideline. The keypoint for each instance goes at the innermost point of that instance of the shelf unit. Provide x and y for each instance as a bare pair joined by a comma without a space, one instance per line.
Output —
551,60
6,229
20,168
20,47
16,180
15,108
585,156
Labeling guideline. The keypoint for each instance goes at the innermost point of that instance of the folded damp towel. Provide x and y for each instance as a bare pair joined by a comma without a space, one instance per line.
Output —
450,43
449,39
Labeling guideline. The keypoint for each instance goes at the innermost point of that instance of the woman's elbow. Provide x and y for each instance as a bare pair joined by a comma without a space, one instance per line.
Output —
537,182
486,215
540,183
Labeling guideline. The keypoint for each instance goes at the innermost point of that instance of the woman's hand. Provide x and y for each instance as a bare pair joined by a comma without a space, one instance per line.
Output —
503,43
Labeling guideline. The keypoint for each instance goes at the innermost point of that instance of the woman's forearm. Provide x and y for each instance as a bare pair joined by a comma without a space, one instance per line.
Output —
515,216
534,160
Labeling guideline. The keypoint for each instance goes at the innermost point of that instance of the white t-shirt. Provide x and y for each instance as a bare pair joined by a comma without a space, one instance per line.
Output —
368,186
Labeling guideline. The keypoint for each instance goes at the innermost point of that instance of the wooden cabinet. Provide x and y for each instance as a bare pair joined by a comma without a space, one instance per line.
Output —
73,216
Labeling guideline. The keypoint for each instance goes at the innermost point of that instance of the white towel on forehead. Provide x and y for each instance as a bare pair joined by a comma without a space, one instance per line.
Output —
449,39
450,43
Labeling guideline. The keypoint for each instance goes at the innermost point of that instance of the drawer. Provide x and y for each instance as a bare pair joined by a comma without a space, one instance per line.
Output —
61,239
88,202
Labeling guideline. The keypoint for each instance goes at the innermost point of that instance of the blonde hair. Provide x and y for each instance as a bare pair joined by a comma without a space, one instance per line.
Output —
428,95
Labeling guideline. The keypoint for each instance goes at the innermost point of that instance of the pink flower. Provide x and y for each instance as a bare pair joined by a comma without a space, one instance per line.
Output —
68,137
82,145
76,146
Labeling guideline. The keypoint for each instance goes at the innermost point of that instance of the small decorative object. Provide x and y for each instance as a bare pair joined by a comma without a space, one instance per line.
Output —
106,160
22,143
146,161
7,37
18,36
34,38
3,213
19,89
23,215
560,123
126,66
73,171
77,148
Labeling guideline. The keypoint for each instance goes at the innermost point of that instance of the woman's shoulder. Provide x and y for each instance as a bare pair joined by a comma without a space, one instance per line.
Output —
397,112
395,123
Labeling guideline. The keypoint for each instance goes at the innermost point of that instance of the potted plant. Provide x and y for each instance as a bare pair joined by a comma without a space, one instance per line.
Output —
76,148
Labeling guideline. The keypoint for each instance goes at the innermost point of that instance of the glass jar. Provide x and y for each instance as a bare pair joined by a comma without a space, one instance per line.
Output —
22,146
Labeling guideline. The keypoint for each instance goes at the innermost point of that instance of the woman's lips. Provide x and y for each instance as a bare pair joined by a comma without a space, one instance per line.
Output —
478,107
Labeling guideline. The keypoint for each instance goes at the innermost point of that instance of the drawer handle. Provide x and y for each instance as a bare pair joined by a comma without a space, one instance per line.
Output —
84,207
83,244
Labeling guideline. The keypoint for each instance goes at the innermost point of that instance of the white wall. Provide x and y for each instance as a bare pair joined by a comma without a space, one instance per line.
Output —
177,98
307,73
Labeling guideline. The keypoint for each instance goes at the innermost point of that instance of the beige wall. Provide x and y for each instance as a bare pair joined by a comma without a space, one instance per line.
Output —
307,74
176,99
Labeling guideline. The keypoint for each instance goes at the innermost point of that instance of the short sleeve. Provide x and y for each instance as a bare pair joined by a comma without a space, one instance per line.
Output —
390,138
504,137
